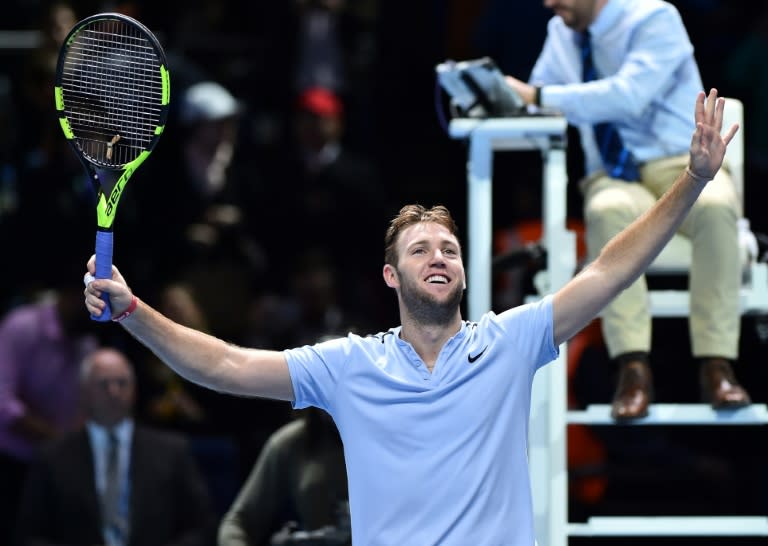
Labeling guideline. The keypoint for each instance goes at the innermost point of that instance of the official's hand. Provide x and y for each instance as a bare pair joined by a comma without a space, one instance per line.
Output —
120,296
526,91
707,145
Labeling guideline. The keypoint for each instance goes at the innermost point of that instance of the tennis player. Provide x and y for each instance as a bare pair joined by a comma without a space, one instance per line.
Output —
433,413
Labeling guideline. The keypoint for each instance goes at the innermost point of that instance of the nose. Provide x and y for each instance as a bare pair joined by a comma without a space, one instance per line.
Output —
437,257
114,388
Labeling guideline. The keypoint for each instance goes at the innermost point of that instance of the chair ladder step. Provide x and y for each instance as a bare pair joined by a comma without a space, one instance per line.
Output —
674,414
702,526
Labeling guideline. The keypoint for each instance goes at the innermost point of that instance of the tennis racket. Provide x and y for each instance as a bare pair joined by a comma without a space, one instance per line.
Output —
112,93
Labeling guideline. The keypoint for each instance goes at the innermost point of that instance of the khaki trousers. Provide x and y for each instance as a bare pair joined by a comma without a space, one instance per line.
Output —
715,277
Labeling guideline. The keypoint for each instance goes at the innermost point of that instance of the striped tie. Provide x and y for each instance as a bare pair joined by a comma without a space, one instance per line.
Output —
617,160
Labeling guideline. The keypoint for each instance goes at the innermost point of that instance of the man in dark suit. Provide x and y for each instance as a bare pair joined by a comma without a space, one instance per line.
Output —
114,482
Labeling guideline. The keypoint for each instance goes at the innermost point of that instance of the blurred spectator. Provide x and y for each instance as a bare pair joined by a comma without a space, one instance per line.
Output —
167,399
323,185
194,170
320,59
213,190
222,197
41,345
34,95
208,194
214,245
311,308
335,50
299,483
52,194
224,446
36,89
115,482
210,114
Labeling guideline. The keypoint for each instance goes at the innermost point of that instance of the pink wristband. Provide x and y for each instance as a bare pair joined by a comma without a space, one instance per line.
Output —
125,314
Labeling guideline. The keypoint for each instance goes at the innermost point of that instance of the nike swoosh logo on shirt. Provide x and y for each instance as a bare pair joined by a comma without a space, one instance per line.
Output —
471,358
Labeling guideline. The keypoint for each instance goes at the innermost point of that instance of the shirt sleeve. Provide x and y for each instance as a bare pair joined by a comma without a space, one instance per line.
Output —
316,370
530,328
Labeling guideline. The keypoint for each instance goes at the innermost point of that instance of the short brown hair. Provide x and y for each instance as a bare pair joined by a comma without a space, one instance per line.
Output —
410,215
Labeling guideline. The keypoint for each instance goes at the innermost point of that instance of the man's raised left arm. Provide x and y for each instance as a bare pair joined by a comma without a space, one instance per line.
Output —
629,253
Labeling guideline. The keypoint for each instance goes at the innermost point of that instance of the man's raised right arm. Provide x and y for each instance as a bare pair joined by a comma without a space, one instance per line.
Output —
196,356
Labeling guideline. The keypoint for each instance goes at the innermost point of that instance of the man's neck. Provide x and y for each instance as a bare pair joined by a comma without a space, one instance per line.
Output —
428,340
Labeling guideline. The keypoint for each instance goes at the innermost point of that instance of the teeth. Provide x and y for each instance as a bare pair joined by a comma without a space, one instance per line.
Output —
437,278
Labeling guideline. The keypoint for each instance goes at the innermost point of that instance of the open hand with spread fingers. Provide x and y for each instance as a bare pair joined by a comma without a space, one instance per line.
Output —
707,144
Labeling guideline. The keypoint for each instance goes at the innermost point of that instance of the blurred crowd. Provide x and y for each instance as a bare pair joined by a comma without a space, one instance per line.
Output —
297,130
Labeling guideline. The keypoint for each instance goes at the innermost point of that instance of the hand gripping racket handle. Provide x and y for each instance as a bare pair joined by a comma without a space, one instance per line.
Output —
104,269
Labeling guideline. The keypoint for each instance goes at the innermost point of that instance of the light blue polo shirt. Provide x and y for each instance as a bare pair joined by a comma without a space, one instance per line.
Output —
441,457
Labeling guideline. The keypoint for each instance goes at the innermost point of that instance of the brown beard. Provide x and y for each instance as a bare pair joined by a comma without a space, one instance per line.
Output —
426,309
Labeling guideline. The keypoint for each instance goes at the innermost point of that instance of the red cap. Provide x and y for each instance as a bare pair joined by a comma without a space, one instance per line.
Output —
320,101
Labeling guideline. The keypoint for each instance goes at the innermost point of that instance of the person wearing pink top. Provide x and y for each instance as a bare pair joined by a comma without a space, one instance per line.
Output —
41,346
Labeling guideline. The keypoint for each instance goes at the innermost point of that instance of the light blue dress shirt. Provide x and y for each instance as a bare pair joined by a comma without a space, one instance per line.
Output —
647,79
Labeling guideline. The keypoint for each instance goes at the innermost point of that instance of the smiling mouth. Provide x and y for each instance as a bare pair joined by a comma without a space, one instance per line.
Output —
437,279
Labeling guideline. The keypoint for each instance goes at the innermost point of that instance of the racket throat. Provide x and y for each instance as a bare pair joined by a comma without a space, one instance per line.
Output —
110,184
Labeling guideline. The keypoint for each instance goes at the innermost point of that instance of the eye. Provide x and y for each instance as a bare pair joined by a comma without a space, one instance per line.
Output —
418,250
449,251
120,383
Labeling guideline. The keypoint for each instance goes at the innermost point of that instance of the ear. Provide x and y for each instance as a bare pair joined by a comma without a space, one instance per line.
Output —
390,276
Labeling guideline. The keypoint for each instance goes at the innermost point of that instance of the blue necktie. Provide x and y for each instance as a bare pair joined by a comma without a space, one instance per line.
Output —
115,522
617,160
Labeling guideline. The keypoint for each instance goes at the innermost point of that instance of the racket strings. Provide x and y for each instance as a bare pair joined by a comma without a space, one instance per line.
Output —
112,89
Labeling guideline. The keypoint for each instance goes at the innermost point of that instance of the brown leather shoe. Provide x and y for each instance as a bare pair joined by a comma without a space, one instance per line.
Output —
719,386
633,391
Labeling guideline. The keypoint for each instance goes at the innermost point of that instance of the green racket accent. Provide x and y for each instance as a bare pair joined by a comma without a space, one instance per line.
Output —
64,122
107,206
165,75
59,96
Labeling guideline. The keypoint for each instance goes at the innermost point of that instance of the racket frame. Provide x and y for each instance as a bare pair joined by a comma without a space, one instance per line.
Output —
109,181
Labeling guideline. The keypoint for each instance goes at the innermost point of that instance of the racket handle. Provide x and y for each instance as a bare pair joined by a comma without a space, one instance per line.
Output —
104,269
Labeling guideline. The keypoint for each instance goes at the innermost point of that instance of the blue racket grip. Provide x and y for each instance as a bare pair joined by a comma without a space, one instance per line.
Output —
104,269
